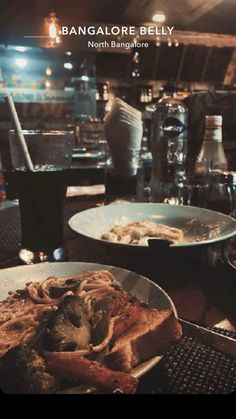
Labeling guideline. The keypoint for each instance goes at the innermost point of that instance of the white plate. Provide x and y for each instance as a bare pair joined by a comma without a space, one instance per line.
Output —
94,222
139,286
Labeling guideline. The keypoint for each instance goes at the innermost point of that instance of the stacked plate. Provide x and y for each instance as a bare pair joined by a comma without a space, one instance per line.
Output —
124,130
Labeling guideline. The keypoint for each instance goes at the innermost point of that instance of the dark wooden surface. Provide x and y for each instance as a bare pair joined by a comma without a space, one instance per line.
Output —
188,375
79,249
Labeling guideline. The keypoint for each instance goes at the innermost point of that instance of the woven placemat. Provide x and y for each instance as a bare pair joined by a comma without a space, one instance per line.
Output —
10,232
191,367
10,228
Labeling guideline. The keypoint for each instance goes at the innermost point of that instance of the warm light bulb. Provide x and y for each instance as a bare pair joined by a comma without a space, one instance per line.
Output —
52,30
68,66
58,39
48,71
159,17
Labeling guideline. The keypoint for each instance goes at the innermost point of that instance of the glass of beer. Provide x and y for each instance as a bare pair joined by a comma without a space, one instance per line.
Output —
42,193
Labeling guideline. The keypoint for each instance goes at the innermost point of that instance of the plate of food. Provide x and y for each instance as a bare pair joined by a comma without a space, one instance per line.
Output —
136,225
80,327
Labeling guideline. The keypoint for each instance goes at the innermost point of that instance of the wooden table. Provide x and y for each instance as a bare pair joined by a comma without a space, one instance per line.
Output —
180,370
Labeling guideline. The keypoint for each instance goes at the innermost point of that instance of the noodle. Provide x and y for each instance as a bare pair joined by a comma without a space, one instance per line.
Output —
21,313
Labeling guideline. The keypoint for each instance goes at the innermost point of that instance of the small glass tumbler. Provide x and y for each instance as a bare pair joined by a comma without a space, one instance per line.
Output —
123,176
42,193
197,182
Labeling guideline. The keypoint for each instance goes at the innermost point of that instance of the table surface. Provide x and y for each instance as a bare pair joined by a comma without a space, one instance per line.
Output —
189,367
190,299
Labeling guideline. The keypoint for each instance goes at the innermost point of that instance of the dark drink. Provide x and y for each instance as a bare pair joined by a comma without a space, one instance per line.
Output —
120,185
42,189
123,176
41,197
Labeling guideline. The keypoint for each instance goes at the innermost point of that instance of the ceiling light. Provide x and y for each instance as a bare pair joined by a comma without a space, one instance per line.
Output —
85,78
68,52
20,49
135,73
136,57
21,62
47,84
48,71
159,17
68,66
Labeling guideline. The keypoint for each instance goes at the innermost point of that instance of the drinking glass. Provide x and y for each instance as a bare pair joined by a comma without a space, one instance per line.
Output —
197,182
123,176
42,193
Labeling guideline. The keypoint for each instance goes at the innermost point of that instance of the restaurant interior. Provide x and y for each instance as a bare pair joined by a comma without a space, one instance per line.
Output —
118,173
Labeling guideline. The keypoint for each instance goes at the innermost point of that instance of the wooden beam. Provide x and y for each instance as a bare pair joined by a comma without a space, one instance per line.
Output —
196,38
199,8
134,7
230,75
185,13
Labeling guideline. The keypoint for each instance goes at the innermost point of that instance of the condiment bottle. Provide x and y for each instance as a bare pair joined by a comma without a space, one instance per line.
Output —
230,180
212,147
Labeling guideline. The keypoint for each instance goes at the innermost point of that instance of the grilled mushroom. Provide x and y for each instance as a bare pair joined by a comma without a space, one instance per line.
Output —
67,328
70,284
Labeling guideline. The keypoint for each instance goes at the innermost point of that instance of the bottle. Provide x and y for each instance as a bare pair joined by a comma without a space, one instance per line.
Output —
2,185
220,195
232,185
212,147
169,147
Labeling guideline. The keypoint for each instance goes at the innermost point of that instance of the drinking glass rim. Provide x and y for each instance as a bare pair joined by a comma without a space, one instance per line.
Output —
43,131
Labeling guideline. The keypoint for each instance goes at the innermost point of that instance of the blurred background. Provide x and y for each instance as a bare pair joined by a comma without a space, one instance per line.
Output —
58,82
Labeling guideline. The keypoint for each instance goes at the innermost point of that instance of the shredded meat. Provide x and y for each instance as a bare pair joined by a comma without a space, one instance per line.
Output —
139,232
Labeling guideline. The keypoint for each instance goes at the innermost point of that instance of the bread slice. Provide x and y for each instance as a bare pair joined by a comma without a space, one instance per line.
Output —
151,335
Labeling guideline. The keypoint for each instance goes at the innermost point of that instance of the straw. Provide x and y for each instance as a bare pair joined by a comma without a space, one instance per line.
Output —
19,132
